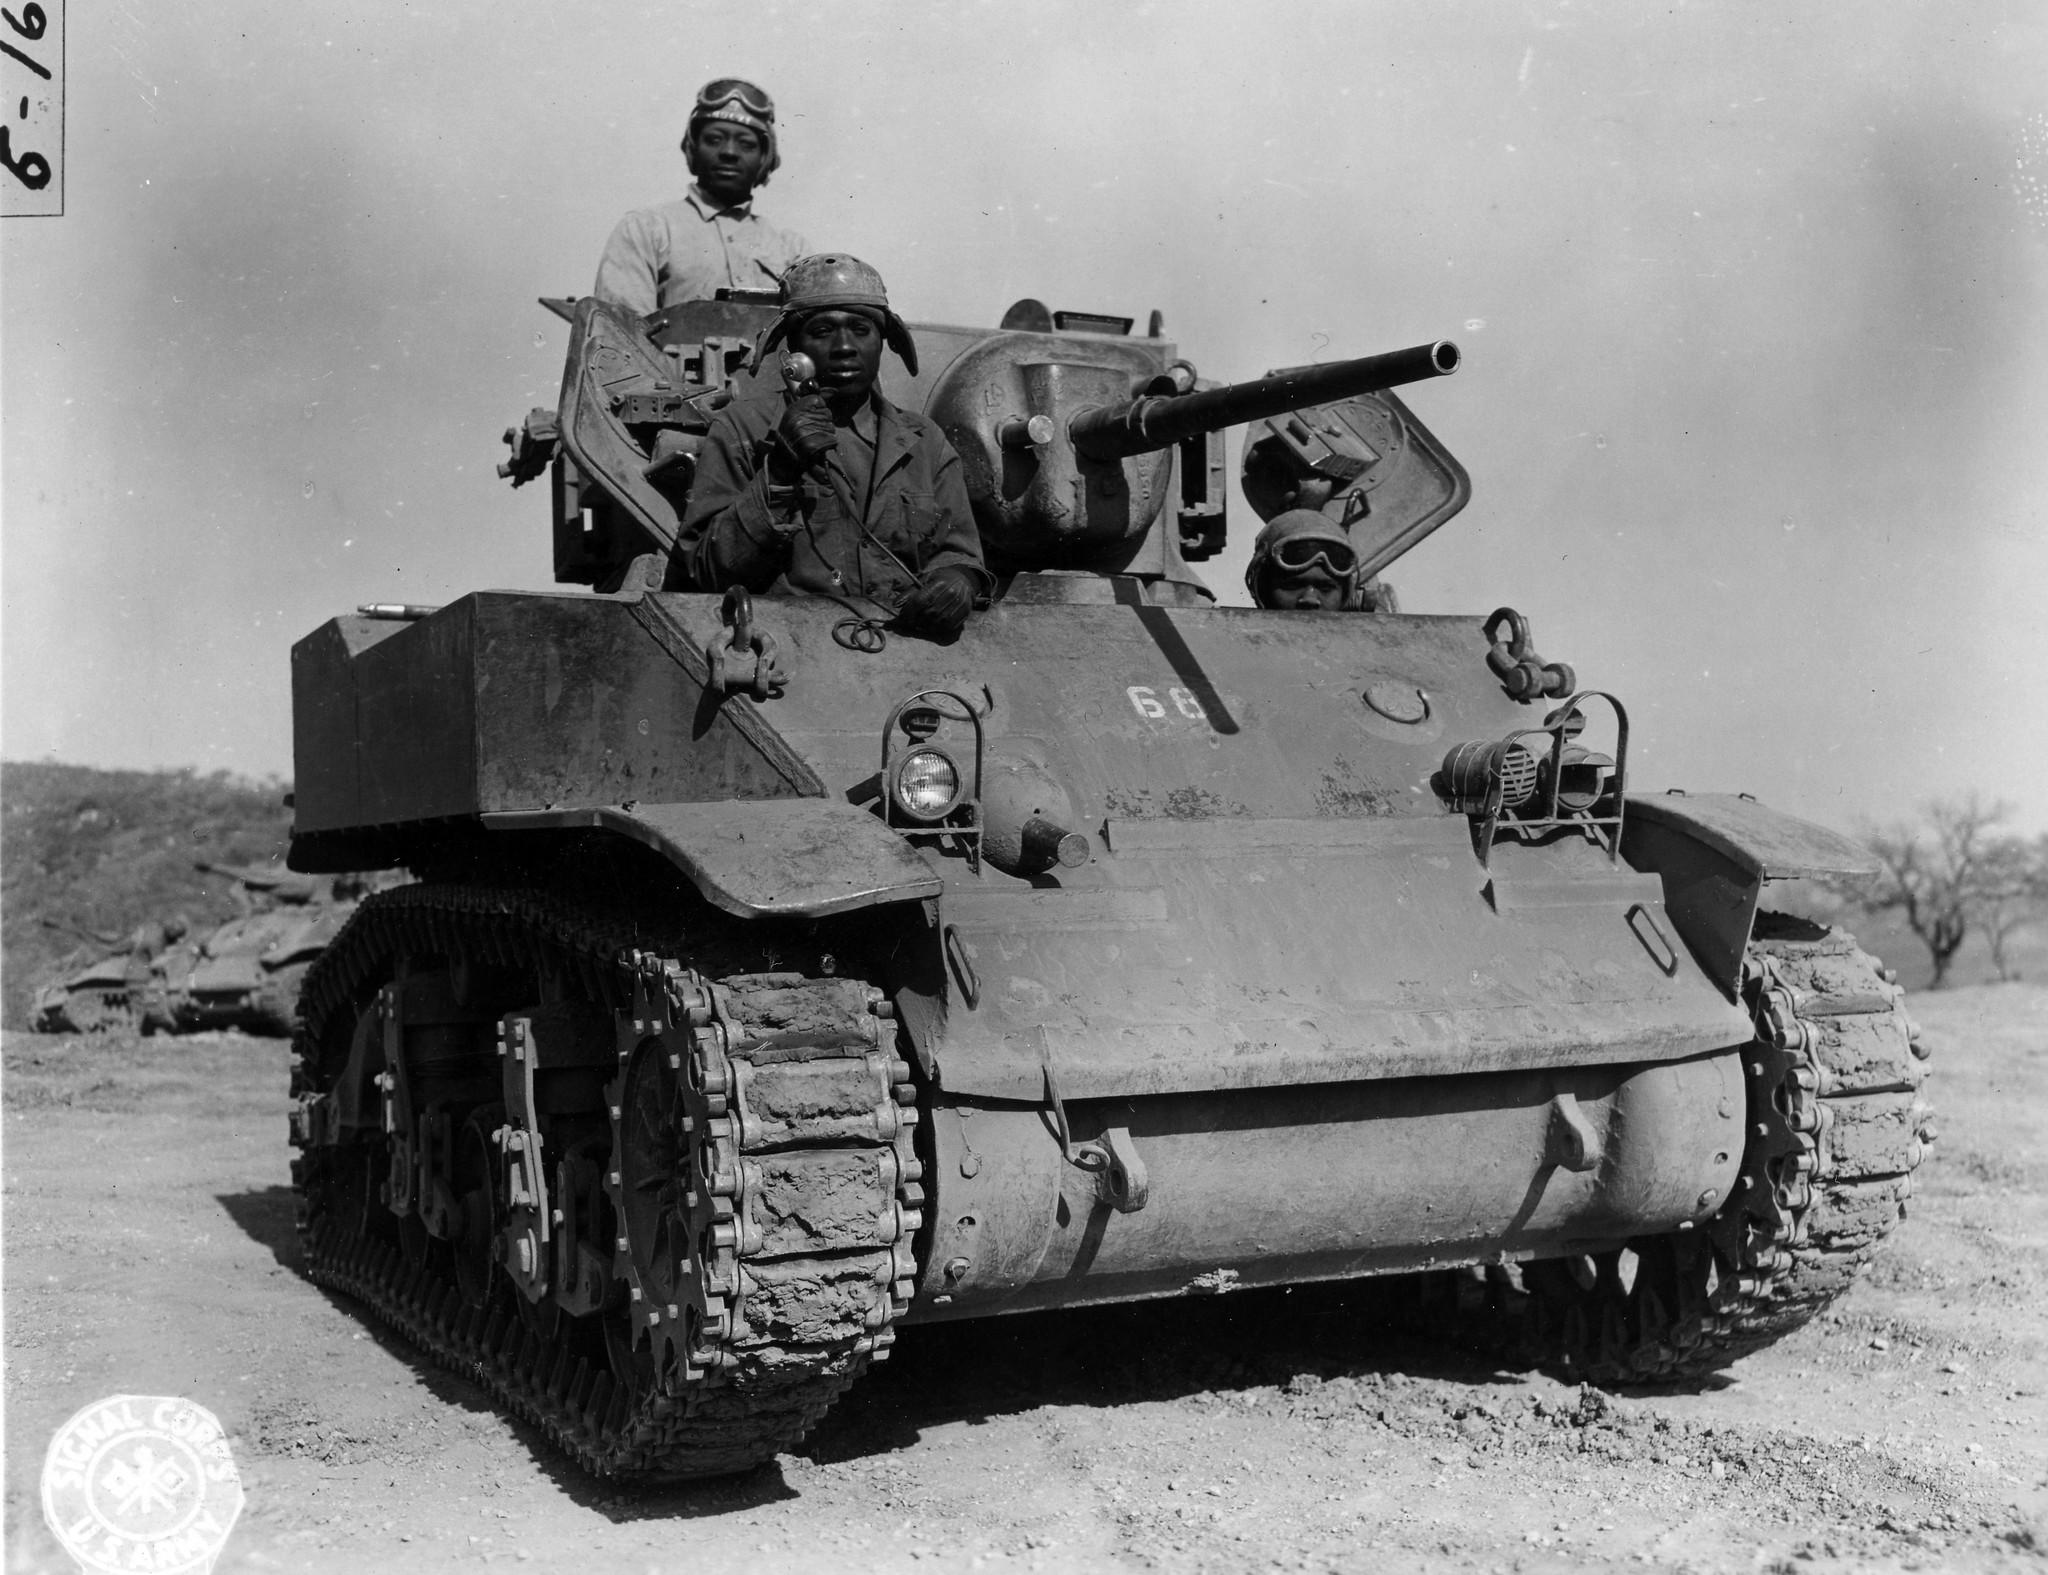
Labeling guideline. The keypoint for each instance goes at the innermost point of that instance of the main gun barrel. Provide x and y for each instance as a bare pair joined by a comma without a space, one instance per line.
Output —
1151,422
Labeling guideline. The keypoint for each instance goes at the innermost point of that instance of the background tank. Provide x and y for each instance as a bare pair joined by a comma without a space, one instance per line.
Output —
121,990
246,974
758,996
242,974
87,997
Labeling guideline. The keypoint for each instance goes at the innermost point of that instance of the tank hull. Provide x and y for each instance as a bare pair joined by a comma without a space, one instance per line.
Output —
1321,1182
1247,852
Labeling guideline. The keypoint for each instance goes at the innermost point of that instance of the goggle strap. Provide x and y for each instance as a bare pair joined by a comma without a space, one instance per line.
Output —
747,97
1289,556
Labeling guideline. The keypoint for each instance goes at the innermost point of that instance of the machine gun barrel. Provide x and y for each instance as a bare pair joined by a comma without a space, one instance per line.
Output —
66,927
256,879
1152,422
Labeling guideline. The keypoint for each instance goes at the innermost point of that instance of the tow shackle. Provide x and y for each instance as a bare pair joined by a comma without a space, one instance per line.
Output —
745,660
1521,671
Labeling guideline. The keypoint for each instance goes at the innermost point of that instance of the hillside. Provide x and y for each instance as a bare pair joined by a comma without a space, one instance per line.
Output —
106,850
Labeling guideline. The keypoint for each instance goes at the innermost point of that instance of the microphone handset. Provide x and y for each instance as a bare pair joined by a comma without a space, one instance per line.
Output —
806,431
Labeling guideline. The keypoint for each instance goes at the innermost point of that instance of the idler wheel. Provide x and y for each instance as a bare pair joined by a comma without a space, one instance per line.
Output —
654,1171
478,1188
632,1364
545,1318
414,1241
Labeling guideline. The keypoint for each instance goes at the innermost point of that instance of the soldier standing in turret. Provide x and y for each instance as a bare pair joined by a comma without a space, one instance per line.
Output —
833,489
710,238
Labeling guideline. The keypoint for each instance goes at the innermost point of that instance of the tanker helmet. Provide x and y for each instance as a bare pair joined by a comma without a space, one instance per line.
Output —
731,98
833,281
1296,541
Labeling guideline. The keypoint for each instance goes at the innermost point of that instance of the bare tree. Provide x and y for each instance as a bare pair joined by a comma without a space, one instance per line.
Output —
2012,894
1934,875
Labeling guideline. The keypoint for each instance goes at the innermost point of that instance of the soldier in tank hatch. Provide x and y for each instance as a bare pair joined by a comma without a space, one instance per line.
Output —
153,937
832,489
1303,561
710,238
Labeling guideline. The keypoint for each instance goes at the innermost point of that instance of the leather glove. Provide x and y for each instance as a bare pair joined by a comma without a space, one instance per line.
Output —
804,435
939,605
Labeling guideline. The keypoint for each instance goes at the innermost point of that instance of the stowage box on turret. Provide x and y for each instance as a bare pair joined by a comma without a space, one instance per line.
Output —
761,991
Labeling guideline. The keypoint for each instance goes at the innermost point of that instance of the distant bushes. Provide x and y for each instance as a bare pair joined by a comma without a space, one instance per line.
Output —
1954,873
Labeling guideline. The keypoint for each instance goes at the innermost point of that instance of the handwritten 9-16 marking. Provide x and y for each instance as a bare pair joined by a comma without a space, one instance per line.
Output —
29,167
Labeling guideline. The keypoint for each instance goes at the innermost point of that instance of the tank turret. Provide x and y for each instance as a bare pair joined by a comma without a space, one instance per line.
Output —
264,884
1070,447
1087,451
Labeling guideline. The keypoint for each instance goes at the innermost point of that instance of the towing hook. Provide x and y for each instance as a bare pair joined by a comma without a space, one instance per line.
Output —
736,612
1121,1179
1521,671
745,660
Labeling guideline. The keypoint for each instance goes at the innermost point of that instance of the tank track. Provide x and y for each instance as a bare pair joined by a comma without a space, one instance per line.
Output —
90,1011
1836,1129
791,1079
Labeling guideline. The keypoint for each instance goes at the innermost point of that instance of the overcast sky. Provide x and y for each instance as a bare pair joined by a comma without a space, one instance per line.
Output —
1753,299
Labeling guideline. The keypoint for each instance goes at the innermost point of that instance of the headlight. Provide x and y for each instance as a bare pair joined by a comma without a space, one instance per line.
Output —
1581,778
927,784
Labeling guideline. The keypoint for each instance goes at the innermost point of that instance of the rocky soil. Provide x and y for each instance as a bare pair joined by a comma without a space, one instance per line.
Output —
149,1249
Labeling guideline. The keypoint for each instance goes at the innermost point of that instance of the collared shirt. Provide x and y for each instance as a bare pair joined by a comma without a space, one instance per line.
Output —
686,249
855,460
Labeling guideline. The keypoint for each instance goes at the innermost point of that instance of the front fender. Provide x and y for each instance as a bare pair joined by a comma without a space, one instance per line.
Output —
1714,851
761,858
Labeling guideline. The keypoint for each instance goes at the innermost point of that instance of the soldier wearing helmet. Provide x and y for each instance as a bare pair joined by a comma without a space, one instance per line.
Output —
710,238
830,488
1304,561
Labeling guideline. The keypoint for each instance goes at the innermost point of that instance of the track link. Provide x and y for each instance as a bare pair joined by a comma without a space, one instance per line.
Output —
792,1191
1836,1130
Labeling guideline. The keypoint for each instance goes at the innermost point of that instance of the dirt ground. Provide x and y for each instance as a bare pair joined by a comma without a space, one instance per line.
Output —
149,1249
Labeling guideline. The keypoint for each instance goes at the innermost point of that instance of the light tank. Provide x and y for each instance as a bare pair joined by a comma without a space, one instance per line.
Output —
105,994
244,973
760,995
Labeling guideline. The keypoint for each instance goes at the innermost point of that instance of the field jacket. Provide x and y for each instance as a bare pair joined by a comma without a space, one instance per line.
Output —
741,529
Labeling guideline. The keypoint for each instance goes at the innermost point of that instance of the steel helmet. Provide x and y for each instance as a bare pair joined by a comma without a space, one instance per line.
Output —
1295,540
739,101
828,281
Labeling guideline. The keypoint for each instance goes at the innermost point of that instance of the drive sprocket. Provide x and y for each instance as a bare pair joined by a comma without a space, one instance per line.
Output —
758,1194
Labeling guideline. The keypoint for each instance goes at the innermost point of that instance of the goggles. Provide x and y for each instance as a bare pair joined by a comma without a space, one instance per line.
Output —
1298,554
714,96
